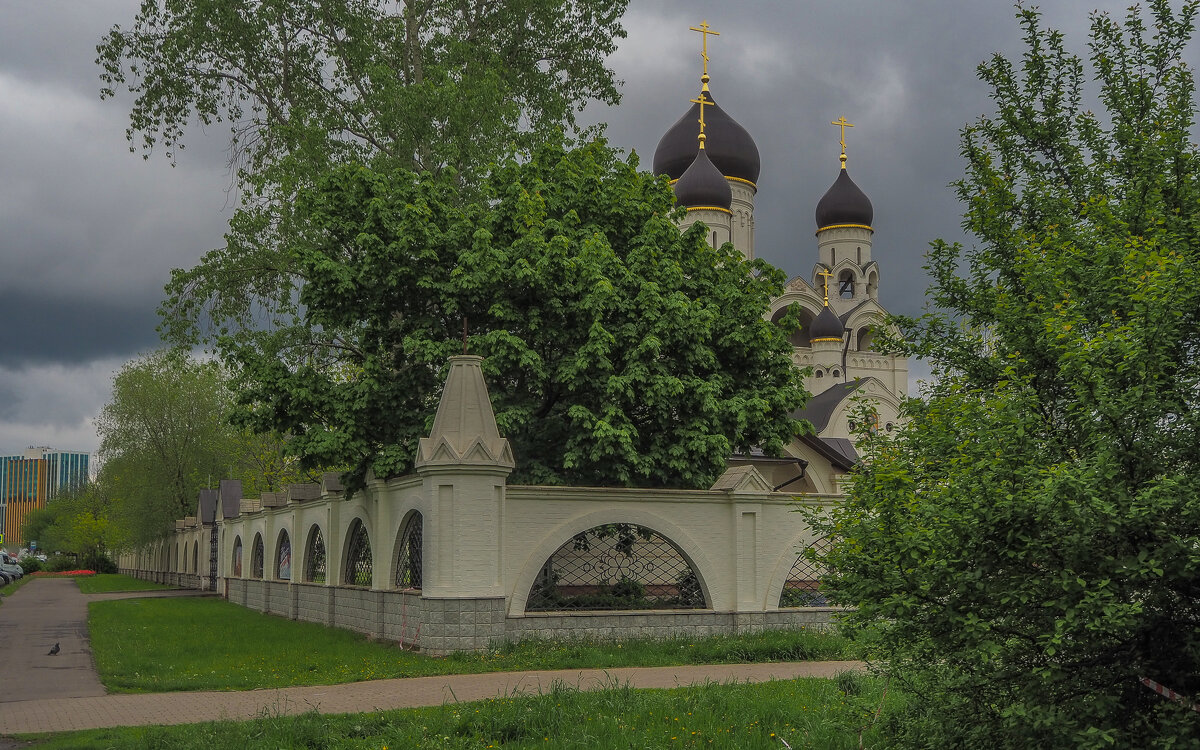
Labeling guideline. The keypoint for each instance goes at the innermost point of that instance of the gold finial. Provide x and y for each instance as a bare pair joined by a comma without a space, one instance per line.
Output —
702,102
704,32
827,274
841,123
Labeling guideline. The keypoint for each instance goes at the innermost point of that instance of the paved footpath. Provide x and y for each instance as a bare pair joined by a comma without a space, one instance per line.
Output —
38,615
80,702
62,714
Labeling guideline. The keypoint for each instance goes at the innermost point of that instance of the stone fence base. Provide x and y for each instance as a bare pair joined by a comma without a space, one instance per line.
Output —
441,626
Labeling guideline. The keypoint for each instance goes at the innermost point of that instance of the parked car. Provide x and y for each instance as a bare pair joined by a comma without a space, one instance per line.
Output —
5,578
9,565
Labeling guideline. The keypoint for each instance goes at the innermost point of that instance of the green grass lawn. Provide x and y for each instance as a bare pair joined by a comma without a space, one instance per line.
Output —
806,713
103,583
159,645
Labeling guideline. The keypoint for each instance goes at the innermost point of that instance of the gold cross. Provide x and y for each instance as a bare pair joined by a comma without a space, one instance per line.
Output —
704,46
827,274
702,102
841,123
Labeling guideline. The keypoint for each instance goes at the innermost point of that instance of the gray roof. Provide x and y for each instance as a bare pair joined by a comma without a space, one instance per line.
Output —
820,407
231,498
839,451
207,512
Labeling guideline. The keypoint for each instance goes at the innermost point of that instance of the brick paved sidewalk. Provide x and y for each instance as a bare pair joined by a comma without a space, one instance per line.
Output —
64,714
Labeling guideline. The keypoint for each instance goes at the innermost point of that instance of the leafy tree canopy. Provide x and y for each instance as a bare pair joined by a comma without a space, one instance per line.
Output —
1026,551
424,85
618,350
78,520
165,435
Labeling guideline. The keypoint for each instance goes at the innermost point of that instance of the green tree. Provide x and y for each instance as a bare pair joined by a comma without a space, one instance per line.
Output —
426,85
78,520
1027,550
164,435
618,350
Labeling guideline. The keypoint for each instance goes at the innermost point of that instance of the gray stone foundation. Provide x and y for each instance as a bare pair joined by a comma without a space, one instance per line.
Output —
439,626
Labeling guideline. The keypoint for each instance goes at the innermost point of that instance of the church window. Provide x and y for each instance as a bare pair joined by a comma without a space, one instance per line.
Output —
837,373
846,284
889,426
866,339
820,374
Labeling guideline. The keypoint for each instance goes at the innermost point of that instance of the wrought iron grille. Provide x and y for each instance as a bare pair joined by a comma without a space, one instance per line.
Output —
616,566
358,556
283,557
803,585
212,559
256,557
237,557
408,554
314,557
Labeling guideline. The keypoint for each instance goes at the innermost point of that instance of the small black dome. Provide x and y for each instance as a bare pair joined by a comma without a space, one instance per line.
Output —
703,185
844,203
729,146
826,327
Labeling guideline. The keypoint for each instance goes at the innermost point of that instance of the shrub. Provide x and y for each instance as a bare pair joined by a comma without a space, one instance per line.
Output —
99,562
30,565
59,563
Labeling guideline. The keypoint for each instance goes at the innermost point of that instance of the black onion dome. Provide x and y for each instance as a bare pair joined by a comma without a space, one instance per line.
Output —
826,326
703,185
729,146
844,203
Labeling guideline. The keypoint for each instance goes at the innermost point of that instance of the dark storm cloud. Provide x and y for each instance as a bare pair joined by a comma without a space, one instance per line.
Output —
72,330
89,232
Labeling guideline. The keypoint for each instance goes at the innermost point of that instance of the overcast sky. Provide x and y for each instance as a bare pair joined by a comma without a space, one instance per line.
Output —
89,232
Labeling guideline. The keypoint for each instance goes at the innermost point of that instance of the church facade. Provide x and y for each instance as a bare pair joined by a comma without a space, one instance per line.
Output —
714,166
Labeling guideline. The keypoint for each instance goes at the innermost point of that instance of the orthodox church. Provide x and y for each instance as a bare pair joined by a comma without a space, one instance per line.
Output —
714,166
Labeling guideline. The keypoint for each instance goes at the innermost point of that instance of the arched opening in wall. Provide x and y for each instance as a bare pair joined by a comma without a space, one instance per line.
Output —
866,338
797,336
195,557
237,557
314,556
873,285
283,557
409,570
846,284
175,567
358,566
803,585
616,566
256,557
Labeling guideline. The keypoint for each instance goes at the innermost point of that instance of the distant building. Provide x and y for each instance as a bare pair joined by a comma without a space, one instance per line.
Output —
31,480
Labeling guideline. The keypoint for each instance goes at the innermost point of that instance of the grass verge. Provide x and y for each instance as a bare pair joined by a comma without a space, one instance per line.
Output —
160,645
103,583
804,713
